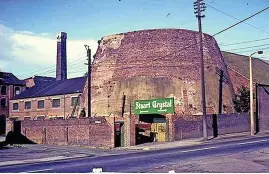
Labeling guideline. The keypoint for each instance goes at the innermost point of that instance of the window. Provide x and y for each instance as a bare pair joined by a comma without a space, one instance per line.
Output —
17,90
3,103
74,101
4,90
27,118
40,104
56,103
15,106
40,117
27,105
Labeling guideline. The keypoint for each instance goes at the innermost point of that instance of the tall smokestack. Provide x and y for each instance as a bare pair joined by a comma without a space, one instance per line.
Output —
61,67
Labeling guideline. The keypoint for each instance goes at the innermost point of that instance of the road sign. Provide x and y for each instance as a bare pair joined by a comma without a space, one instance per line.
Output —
154,106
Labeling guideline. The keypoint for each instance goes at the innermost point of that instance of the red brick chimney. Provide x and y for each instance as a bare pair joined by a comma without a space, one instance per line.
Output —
61,66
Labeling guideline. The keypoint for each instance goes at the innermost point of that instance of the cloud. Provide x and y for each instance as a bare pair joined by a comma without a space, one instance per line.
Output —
25,53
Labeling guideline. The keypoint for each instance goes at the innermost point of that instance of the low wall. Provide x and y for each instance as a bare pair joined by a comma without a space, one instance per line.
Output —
186,127
84,132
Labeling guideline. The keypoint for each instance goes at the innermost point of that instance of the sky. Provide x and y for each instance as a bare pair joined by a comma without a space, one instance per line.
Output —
28,28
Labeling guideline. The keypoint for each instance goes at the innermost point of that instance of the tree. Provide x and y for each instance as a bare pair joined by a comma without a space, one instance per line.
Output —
242,100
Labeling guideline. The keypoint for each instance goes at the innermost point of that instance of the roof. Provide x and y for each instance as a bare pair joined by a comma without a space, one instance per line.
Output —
50,88
240,63
42,79
10,79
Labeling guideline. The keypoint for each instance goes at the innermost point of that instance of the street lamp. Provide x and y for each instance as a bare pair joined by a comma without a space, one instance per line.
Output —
251,93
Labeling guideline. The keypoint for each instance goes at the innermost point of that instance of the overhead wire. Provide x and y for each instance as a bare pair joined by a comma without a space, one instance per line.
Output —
238,43
239,19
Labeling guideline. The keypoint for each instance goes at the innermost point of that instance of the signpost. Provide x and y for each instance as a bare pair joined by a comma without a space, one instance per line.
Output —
154,106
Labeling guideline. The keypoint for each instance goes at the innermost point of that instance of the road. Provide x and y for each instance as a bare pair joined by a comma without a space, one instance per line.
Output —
145,160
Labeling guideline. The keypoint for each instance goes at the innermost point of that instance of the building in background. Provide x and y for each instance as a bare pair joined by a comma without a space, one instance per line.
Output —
48,100
32,81
10,86
48,97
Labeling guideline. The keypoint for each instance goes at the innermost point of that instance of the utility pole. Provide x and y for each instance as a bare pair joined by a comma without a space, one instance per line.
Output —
220,91
199,6
89,78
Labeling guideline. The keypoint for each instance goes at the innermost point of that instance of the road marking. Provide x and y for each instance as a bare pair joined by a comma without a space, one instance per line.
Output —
33,171
215,147
206,148
252,142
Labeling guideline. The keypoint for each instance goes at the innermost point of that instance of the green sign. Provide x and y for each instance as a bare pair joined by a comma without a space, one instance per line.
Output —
154,106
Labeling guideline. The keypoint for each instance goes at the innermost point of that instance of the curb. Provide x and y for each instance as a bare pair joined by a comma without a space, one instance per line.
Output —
48,159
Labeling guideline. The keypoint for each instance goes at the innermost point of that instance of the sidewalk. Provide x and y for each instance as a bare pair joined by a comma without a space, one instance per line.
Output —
195,141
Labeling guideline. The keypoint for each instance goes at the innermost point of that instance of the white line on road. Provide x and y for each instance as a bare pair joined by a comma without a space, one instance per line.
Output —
34,171
252,142
206,148
215,147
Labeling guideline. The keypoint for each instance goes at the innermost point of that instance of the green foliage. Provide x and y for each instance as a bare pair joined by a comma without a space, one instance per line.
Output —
242,100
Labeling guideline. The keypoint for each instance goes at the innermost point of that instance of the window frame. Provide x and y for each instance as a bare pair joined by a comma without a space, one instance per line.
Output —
17,90
77,97
28,118
25,105
13,106
5,106
52,103
38,104
2,90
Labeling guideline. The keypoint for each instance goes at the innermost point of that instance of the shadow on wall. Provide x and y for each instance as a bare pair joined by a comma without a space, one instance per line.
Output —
17,138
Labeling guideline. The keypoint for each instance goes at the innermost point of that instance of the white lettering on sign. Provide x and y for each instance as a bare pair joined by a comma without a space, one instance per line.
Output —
141,105
162,105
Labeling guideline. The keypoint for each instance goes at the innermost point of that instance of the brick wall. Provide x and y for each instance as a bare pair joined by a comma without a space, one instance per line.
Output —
153,64
263,107
82,132
186,127
65,108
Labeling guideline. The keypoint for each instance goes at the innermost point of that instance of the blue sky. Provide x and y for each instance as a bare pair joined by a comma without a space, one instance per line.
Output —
92,19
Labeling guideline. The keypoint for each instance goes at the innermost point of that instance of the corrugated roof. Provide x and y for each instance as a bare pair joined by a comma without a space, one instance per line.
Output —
58,87
10,79
240,63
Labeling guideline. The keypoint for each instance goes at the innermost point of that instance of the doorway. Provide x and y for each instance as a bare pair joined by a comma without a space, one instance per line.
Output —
17,126
2,124
158,128
119,134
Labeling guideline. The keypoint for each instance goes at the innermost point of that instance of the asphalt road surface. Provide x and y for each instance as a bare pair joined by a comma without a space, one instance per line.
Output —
144,160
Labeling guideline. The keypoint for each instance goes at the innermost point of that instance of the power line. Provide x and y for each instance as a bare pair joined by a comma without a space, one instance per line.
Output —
237,43
247,47
241,21
52,68
266,48
237,18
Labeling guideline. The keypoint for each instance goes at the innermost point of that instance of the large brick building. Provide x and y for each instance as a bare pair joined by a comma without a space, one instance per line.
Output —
10,86
51,99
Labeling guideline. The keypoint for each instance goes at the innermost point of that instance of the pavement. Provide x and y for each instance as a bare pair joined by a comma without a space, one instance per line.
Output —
195,141
34,153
